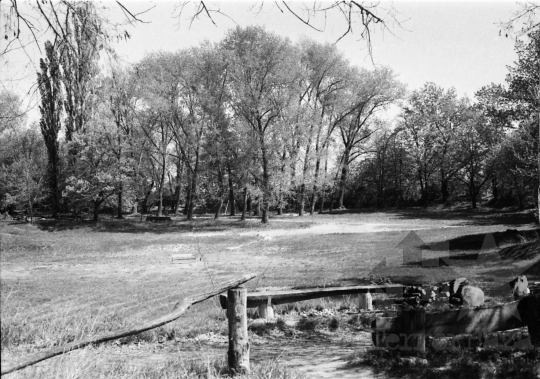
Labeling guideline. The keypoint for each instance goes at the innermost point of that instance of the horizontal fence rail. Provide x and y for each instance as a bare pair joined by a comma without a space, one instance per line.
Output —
178,310
255,299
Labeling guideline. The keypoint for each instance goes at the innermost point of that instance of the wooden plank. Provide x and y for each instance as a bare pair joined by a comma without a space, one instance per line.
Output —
365,301
254,299
529,309
238,354
415,320
178,310
463,321
183,258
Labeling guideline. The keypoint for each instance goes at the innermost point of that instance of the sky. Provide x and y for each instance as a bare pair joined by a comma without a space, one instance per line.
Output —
451,43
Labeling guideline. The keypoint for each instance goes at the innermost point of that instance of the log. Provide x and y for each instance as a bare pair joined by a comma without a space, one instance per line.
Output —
238,354
178,311
254,299
465,321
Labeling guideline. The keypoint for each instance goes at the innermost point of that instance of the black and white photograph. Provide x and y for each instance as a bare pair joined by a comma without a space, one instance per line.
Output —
282,189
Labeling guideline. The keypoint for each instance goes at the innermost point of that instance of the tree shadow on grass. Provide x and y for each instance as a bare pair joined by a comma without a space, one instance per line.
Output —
135,226
476,241
478,217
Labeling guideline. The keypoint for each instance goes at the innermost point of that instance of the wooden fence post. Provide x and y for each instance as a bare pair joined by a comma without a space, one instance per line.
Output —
266,310
238,355
414,322
529,310
365,302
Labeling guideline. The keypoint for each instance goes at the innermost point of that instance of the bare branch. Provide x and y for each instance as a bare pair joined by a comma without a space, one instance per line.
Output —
298,17
134,16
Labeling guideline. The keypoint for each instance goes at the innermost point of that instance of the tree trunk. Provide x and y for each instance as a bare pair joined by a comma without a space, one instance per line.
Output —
444,188
96,210
280,203
266,180
323,189
53,181
220,194
301,201
177,191
244,208
249,204
193,190
218,209
257,207
188,196
344,172
265,210
495,189
423,194
120,193
473,192
146,197
161,185
323,192
231,190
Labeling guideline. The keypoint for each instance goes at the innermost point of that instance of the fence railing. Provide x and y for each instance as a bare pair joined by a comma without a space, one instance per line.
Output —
264,300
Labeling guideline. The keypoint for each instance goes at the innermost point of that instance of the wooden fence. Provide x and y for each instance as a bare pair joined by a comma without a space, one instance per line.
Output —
416,324
264,300
179,309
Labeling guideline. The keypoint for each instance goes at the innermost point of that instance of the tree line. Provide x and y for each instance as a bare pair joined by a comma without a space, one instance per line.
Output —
256,123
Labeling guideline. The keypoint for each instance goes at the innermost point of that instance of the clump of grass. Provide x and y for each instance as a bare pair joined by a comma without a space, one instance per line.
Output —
261,329
307,324
363,320
333,323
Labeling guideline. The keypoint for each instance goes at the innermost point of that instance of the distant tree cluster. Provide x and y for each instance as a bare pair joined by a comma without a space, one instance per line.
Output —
255,123
446,148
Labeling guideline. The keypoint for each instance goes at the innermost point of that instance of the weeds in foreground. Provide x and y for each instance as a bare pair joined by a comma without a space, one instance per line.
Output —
91,366
307,324
481,363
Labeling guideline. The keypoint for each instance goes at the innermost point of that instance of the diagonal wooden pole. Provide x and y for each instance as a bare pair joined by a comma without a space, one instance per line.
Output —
179,309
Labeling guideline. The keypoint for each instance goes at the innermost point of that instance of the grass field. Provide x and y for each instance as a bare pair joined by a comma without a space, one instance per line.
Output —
63,280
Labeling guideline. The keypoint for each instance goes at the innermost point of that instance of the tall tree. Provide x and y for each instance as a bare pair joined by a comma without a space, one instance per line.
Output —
263,71
79,51
50,123
524,90
370,91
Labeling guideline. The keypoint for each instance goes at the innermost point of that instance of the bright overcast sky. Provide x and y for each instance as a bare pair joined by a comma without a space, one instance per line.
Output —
454,44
